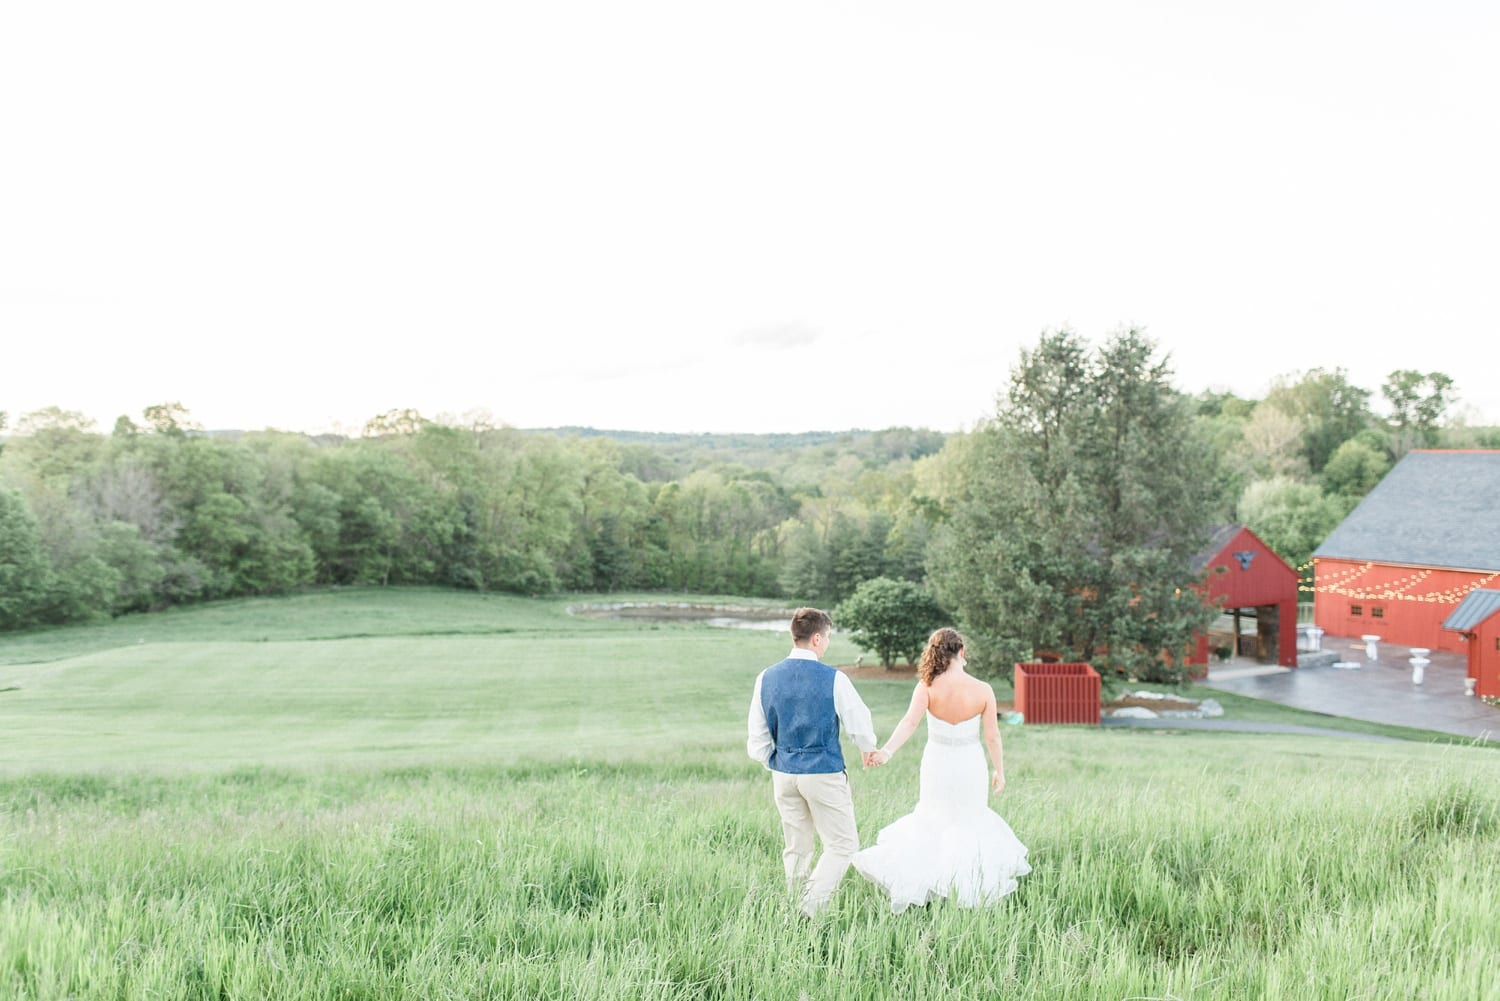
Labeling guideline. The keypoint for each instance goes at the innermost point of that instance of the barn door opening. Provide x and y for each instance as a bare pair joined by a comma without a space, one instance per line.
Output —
1262,642
1267,633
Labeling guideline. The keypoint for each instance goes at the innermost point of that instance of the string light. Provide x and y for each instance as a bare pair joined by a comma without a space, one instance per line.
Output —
1397,590
1348,574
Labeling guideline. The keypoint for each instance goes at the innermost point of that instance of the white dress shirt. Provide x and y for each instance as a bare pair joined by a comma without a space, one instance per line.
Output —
850,708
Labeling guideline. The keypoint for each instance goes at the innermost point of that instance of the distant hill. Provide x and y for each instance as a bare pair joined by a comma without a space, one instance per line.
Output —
800,439
685,452
659,456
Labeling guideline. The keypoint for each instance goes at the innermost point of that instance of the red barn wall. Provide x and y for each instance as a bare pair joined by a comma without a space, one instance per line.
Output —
1484,656
1400,604
1266,581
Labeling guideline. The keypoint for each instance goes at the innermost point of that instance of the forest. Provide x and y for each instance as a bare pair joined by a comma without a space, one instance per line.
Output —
158,511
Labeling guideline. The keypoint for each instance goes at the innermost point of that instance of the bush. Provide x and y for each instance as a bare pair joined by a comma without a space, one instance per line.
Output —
891,617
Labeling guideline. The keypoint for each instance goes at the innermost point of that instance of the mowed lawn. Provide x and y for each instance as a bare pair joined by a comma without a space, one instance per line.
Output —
375,679
429,794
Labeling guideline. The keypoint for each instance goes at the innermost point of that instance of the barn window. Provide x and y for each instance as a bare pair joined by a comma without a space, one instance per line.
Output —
1377,612
1356,609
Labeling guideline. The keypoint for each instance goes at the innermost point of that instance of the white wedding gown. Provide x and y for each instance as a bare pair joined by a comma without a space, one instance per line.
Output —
952,844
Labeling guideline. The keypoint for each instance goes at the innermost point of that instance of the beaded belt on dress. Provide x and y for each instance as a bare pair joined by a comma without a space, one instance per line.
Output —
947,741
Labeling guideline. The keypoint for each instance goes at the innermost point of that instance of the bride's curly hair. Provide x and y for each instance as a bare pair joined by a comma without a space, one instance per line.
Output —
942,647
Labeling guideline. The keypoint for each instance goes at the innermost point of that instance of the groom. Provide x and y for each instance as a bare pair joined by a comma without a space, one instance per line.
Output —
795,712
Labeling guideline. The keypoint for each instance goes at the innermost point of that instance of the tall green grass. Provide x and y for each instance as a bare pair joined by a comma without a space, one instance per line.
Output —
1252,870
562,813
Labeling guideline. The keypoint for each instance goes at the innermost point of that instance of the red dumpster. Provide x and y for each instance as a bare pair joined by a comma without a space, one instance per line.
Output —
1057,693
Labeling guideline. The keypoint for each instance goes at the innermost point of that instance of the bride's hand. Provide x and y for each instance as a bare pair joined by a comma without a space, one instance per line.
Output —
997,782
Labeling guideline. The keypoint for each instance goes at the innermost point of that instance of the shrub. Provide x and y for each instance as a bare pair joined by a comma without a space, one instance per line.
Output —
891,617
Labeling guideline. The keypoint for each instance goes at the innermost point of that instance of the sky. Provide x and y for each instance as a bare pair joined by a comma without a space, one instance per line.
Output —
748,217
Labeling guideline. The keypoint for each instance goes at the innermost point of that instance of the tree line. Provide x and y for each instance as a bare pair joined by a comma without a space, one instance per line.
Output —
158,512
1063,522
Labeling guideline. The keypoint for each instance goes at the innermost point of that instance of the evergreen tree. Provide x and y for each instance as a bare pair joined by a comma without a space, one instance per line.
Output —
1081,505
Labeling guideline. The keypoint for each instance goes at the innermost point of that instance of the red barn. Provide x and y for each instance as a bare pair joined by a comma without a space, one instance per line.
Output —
1425,538
1245,574
1477,620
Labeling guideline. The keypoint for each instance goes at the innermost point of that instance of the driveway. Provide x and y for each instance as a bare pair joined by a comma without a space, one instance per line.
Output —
1379,690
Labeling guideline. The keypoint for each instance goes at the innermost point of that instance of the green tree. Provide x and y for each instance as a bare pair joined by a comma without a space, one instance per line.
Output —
168,419
806,571
217,533
1330,409
721,528
1081,505
535,517
127,488
58,444
448,459
137,565
316,508
1292,517
1419,402
909,537
891,617
370,537
1355,467
833,547
25,574
231,504
612,509
81,584
863,555
1211,403
395,422
392,522
277,556
1272,443
1463,436
1227,436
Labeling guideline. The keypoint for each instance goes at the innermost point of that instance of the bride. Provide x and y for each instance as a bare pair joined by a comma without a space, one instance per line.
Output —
952,844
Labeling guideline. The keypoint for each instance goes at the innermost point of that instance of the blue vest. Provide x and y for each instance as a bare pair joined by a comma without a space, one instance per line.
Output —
797,697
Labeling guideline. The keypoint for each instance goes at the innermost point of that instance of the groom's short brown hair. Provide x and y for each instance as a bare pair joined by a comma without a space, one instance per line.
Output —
809,622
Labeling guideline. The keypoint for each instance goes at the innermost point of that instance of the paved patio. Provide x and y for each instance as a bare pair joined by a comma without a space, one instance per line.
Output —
1380,690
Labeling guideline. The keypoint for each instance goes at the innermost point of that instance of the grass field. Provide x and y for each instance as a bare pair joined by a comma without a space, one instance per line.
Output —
425,794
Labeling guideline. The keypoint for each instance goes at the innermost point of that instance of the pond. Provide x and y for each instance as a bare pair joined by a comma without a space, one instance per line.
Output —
722,616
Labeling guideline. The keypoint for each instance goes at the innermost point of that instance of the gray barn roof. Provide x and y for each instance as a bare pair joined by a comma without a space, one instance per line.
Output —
1434,509
1474,609
1216,542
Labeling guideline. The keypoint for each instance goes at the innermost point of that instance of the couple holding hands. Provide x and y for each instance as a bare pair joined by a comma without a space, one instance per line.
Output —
952,844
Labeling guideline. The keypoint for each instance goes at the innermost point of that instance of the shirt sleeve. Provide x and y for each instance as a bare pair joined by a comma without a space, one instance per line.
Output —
853,713
758,744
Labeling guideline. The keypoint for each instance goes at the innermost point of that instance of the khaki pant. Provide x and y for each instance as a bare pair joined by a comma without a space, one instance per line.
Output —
821,804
